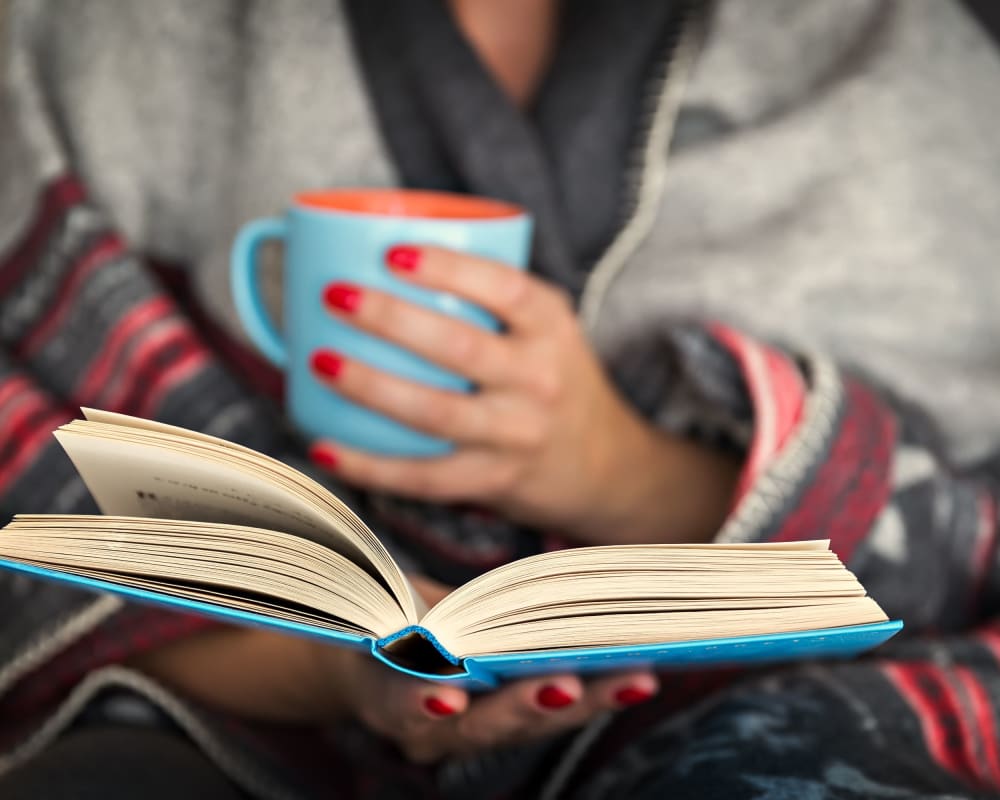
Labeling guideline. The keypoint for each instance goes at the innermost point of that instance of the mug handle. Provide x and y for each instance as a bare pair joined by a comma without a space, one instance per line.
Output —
246,291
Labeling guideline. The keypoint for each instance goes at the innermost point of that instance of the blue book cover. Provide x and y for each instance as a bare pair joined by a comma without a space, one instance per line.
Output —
485,672
637,606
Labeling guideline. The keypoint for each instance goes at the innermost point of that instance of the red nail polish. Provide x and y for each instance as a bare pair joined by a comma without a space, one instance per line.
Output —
632,695
438,707
323,456
342,296
403,257
326,363
554,697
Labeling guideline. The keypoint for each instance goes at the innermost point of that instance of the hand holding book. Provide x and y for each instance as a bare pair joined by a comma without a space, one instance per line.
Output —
272,676
432,721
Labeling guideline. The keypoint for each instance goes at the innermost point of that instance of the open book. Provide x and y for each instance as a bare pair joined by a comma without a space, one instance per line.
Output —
214,527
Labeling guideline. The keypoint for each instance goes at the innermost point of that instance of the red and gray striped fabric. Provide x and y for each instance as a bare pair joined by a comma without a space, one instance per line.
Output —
84,321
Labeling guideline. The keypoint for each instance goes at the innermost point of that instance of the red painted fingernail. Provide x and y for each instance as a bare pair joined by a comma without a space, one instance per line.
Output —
326,363
632,695
323,456
342,296
403,257
554,697
438,707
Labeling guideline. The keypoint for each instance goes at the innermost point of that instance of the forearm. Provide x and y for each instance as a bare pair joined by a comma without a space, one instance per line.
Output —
663,489
255,673
825,455
685,495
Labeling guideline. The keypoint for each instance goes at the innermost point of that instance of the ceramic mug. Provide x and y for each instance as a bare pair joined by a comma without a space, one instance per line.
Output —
343,235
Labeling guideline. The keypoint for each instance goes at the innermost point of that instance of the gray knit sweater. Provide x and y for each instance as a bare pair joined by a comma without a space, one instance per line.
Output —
843,196
820,177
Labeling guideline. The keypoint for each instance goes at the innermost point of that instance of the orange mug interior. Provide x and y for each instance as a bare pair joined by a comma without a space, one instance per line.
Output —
407,203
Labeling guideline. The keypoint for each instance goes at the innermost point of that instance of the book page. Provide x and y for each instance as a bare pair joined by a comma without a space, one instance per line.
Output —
150,473
136,480
235,566
622,595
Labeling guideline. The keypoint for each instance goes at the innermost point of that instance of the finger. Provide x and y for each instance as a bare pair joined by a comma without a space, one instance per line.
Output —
420,717
468,474
421,700
522,301
456,416
401,706
565,701
619,691
521,711
542,707
481,356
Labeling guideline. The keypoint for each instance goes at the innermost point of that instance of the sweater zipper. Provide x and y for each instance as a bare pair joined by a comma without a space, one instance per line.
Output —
647,178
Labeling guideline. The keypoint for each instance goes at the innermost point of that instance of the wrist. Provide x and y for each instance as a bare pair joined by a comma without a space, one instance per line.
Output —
255,672
660,488
327,673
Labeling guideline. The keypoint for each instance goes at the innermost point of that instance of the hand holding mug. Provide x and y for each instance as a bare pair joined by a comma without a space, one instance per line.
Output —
398,370
342,235
545,438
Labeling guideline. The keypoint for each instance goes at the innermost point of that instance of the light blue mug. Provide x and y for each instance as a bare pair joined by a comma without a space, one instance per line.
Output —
343,236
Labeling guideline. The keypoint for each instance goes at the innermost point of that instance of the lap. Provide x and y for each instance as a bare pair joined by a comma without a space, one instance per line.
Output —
826,732
118,763
833,732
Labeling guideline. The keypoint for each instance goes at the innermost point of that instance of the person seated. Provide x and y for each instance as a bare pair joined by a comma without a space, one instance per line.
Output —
761,307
